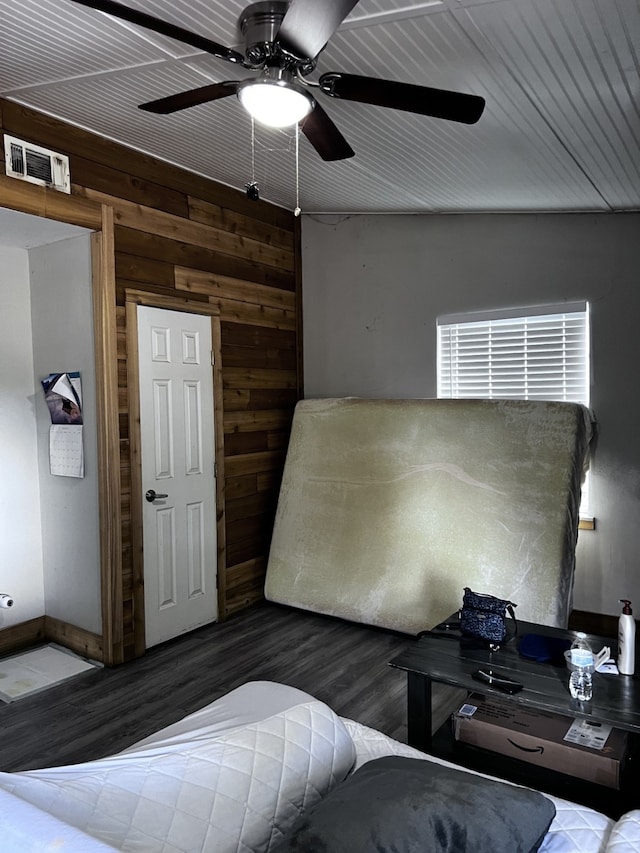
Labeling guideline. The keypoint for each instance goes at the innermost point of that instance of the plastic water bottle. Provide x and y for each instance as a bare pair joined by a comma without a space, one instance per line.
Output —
580,680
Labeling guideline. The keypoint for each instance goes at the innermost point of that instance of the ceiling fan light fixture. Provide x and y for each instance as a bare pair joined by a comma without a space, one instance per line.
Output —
276,103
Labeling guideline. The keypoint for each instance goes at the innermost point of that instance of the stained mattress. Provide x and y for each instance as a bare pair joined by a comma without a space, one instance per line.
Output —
389,508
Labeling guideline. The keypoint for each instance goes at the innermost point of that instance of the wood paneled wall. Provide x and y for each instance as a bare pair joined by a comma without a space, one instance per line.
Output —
181,235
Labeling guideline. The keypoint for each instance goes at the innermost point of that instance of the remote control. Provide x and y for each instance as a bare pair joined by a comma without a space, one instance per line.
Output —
500,682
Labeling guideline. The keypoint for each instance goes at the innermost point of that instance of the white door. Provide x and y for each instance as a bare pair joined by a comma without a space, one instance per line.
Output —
178,466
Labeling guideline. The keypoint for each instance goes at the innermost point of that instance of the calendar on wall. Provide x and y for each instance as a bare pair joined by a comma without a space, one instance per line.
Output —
66,457
63,393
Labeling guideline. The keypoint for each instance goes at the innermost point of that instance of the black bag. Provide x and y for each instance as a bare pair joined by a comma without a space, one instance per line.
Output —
485,616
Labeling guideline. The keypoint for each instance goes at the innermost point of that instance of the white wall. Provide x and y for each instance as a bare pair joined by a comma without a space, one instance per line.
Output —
21,573
49,526
373,287
61,312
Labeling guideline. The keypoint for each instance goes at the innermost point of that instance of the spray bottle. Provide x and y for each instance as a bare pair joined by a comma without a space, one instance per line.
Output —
626,639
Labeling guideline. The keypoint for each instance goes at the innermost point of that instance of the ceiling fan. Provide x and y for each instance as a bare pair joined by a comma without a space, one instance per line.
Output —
282,43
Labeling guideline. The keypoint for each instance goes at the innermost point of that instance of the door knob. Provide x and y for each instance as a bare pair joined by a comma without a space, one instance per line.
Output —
152,495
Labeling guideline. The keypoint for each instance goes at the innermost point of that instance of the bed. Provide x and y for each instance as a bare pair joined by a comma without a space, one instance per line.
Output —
244,774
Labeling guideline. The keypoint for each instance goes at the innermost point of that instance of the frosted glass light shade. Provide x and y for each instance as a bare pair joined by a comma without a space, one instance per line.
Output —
275,103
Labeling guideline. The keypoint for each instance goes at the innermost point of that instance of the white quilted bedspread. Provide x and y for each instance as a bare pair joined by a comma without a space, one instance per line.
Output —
219,794
223,780
625,836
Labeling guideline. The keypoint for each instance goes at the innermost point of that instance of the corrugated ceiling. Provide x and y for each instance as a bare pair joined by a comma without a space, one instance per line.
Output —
561,130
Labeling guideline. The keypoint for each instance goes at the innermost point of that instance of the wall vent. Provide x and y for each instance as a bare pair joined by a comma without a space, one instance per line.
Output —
37,165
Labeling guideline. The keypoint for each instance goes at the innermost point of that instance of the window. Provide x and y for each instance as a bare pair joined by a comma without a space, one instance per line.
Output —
540,355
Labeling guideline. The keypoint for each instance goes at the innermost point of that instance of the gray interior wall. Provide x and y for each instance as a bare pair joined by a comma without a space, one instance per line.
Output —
373,287
21,562
61,311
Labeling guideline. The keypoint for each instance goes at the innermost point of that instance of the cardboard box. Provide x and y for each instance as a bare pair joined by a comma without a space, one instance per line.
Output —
595,753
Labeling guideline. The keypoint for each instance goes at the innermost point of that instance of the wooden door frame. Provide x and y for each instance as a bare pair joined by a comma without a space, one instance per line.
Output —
25,197
134,298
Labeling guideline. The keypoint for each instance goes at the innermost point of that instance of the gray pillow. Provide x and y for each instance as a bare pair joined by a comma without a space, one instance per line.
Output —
407,805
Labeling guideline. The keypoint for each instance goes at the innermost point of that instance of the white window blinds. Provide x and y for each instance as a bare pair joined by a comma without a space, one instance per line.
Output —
543,355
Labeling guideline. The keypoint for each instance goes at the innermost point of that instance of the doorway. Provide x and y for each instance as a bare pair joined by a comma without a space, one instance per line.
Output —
49,524
49,205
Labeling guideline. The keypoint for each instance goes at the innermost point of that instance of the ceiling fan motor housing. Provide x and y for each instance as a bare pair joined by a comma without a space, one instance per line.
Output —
259,24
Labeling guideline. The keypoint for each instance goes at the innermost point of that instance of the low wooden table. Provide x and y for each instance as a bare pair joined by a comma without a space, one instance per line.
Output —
448,660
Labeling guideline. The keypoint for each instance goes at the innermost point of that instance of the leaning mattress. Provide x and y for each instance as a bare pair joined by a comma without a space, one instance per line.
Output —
231,777
389,508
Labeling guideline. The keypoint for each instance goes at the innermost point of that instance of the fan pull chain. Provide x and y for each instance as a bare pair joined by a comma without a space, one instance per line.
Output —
253,150
297,210
253,191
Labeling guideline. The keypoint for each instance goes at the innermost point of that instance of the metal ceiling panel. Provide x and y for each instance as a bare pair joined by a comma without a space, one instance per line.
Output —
41,42
561,130
576,62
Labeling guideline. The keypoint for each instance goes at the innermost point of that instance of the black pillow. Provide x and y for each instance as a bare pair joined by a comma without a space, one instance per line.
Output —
408,805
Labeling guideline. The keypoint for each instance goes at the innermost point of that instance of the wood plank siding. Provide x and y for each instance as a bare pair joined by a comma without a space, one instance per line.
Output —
180,236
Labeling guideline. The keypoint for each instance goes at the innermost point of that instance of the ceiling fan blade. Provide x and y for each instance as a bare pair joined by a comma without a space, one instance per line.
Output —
163,28
454,106
202,95
309,24
325,136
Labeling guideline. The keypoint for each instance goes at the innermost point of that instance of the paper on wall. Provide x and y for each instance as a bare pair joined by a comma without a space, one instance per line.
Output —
63,393
66,457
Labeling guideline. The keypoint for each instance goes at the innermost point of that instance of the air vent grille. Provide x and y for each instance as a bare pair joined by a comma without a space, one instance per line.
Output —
17,158
37,165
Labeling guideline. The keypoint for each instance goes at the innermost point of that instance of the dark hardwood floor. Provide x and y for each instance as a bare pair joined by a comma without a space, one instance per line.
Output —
341,663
